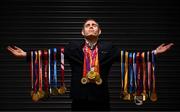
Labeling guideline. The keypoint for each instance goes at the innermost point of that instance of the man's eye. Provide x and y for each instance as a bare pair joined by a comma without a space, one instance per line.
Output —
87,25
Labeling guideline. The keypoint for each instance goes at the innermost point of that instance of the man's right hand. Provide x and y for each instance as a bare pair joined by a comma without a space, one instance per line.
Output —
16,51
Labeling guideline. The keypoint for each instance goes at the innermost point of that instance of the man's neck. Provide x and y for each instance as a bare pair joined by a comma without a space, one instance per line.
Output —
91,43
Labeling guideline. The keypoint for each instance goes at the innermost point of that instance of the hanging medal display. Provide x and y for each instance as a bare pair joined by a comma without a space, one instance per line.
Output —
40,91
35,96
43,72
122,74
91,66
46,85
154,94
138,76
62,88
138,98
126,93
54,72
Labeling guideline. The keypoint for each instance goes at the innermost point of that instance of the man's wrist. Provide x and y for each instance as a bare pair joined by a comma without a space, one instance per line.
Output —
154,51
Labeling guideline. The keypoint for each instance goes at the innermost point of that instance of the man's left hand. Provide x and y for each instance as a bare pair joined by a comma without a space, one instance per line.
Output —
163,48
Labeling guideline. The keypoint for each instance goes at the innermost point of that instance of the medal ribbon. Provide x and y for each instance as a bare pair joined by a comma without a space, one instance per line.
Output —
55,69
149,71
138,60
122,69
135,71
40,70
85,62
49,69
31,70
46,70
130,73
36,72
154,94
90,60
144,72
126,74
62,66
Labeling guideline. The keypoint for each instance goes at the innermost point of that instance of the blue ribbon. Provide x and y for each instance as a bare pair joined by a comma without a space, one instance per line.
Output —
55,68
130,73
135,71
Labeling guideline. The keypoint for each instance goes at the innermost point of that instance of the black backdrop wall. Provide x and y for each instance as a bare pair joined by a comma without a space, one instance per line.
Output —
129,24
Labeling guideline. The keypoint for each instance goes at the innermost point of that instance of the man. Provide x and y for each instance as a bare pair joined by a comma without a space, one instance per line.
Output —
90,96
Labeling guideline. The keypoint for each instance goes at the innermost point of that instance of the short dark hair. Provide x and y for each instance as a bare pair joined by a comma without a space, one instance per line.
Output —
90,19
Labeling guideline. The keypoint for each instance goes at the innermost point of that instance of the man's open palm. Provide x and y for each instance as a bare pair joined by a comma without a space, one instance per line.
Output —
16,51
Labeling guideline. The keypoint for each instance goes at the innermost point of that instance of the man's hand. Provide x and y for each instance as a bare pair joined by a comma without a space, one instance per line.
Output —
163,48
16,51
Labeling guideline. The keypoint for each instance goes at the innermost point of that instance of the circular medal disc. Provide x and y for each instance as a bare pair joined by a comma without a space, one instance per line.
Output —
97,76
91,75
40,94
54,91
84,80
145,96
62,90
138,100
127,96
35,97
153,97
99,82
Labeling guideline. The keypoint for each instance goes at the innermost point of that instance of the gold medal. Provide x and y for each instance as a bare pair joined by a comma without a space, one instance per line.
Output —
97,76
127,96
145,96
62,90
84,80
99,82
40,94
35,97
54,91
91,75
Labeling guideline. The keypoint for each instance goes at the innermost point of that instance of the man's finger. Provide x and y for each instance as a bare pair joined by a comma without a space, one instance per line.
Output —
11,49
169,45
162,45
16,47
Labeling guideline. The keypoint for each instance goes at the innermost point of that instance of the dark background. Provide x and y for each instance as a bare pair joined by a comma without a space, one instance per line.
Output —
130,24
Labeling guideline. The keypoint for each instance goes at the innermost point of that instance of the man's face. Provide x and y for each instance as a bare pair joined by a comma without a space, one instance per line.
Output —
91,29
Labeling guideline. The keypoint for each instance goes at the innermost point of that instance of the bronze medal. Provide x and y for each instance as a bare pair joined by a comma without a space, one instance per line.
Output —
84,80
35,97
153,97
62,90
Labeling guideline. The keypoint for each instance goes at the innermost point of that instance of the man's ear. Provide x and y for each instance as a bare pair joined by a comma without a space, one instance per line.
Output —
82,32
99,31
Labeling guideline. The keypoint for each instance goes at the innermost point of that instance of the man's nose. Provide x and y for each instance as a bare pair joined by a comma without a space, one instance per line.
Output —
91,27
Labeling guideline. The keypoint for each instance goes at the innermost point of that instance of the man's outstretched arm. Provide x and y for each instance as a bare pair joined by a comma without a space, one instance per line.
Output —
163,48
16,51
